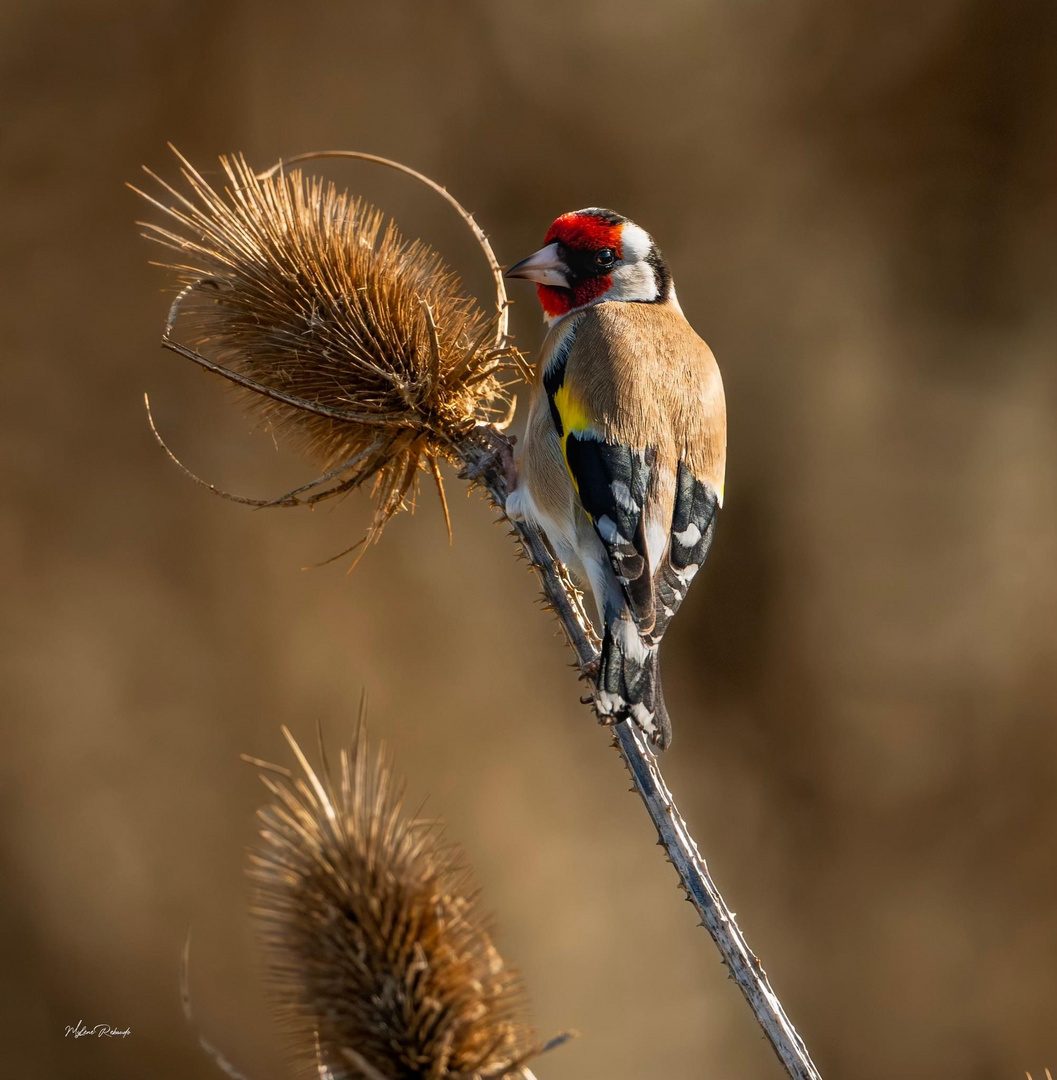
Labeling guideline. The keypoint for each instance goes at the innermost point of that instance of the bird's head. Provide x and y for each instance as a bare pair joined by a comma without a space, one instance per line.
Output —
591,256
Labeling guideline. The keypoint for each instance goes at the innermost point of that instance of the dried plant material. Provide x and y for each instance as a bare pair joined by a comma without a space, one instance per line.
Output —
357,345
379,958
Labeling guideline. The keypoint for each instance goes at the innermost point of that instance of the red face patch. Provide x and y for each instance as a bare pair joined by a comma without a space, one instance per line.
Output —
585,232
580,232
557,302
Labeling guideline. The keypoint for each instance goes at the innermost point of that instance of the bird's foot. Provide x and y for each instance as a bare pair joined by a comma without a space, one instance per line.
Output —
589,670
499,450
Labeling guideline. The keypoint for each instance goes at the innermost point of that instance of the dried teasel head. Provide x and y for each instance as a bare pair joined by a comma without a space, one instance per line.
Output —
380,961
358,344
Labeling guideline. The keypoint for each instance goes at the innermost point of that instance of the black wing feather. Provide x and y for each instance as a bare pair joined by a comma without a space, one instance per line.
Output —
612,482
693,523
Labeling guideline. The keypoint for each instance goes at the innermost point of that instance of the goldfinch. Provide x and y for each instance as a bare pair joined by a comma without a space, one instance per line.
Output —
624,454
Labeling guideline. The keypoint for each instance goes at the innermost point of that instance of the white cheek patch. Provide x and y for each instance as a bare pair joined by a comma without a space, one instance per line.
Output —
634,278
635,241
633,281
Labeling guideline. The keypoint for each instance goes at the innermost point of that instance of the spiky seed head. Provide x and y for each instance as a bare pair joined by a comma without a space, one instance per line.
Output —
311,292
378,953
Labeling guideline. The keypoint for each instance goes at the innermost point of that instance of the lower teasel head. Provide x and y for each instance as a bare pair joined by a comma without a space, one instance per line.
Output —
357,345
380,961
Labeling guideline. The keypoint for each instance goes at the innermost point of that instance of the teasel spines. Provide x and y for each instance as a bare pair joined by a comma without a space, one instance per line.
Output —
380,961
357,345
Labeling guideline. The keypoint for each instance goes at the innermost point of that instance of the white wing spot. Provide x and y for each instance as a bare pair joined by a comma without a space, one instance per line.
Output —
607,529
643,717
631,645
622,497
689,536
609,704
656,541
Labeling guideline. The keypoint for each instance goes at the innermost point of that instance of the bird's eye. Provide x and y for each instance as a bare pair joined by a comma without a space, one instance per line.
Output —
605,257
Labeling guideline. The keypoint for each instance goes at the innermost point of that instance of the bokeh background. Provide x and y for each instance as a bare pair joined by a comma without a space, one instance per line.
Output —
859,205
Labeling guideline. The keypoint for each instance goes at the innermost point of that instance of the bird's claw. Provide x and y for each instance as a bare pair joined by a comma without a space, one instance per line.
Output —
500,451
589,669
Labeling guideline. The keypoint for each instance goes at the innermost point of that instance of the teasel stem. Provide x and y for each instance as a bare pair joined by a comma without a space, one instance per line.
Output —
483,456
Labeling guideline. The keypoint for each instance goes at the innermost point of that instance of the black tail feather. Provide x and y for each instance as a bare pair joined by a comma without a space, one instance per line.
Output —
663,737
629,683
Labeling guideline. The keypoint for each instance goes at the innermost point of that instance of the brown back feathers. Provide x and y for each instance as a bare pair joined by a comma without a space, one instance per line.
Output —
644,374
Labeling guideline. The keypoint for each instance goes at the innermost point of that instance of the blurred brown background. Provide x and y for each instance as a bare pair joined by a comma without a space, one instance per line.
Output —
859,204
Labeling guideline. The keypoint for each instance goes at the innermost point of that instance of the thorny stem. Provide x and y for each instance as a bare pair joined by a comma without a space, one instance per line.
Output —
745,969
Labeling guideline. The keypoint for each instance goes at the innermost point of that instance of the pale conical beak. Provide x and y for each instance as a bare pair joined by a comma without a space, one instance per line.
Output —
545,266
